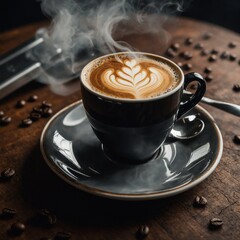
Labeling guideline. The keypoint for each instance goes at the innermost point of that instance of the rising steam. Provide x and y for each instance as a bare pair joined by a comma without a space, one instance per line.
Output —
84,29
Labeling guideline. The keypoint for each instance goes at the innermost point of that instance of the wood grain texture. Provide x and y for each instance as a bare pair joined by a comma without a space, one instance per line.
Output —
34,186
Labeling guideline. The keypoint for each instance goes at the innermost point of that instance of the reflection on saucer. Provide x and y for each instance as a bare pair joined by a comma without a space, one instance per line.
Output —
71,149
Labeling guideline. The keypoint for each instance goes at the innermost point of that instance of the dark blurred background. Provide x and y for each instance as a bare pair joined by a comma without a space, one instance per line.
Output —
15,13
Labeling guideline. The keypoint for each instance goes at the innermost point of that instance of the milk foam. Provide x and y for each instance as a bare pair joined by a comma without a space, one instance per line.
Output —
131,78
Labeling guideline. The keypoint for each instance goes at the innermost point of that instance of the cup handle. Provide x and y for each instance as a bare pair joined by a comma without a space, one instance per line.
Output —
193,99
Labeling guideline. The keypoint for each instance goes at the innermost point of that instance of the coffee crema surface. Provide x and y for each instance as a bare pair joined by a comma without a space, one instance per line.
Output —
122,76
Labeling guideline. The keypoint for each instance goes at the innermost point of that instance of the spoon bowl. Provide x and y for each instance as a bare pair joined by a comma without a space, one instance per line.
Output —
187,128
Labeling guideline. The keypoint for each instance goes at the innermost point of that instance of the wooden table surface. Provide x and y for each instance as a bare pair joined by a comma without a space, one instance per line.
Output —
35,186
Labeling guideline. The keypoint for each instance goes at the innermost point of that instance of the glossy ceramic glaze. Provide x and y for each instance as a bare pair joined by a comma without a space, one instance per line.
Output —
74,153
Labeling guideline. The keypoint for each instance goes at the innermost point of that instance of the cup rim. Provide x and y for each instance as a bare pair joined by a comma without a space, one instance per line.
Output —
164,95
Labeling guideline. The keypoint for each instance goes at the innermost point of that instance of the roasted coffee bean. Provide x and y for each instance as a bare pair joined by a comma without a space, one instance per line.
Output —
46,104
224,55
8,213
188,41
198,46
236,139
20,103
170,53
209,78
26,122
205,52
180,64
187,66
63,236
46,217
207,70
1,113
33,98
215,223
47,112
5,120
142,232
45,238
200,201
214,51
175,46
207,36
236,88
18,228
37,110
232,45
212,58
232,57
186,55
7,173
34,116
52,219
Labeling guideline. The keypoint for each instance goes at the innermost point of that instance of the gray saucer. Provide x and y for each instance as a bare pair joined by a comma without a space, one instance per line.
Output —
74,153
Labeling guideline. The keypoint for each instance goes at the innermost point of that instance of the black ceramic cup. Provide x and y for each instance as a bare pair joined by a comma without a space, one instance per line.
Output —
133,130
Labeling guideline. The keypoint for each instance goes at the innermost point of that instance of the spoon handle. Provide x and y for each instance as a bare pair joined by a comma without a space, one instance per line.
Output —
227,107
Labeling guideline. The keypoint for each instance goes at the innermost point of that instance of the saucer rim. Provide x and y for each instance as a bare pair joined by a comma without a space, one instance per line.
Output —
139,197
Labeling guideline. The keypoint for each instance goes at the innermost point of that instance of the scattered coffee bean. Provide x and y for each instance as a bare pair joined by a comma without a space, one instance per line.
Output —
207,36
186,55
1,113
63,236
52,219
7,173
209,78
180,64
224,55
188,41
33,98
37,110
198,46
187,66
207,70
232,57
34,116
215,223
47,112
26,122
46,218
205,52
236,139
236,88
214,51
46,104
232,45
46,238
5,120
20,103
170,53
18,228
212,58
142,232
8,213
200,201
175,46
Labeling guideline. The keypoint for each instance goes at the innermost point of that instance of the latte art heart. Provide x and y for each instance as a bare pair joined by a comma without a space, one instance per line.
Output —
132,78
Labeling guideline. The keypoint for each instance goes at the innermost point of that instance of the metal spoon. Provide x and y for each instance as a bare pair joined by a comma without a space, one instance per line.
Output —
187,127
224,106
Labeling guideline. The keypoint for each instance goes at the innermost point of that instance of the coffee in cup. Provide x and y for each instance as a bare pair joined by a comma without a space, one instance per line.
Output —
130,77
